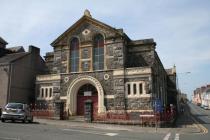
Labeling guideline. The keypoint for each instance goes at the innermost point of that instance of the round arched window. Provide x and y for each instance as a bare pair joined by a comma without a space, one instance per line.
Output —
74,55
98,52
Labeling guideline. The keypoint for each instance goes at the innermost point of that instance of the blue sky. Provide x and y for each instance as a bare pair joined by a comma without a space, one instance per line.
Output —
181,28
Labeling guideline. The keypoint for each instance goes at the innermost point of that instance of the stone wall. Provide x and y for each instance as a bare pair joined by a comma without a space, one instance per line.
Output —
142,103
4,81
99,75
140,55
114,48
119,93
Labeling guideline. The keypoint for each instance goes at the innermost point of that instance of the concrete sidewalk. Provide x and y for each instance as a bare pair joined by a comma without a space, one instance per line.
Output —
112,127
184,124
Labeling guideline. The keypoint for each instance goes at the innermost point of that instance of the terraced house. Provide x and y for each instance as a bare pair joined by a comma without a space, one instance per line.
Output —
94,61
18,70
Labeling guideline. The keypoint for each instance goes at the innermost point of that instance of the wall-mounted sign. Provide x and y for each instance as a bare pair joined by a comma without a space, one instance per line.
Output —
87,93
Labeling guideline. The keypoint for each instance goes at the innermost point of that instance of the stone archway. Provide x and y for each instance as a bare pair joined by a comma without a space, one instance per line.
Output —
73,89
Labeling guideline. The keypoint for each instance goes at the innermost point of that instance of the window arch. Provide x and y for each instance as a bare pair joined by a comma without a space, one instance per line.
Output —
98,52
74,55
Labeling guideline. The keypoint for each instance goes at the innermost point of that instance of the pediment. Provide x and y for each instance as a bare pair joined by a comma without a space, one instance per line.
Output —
85,28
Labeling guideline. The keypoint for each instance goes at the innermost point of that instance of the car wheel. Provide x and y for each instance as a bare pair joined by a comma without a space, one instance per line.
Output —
2,120
31,120
24,120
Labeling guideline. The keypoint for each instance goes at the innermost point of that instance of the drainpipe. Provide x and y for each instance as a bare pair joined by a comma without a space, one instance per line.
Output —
9,82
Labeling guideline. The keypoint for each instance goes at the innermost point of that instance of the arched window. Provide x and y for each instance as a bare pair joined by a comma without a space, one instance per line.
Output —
98,52
74,55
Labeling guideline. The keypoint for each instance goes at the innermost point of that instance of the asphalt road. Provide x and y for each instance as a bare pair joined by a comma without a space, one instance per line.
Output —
36,131
20,131
203,118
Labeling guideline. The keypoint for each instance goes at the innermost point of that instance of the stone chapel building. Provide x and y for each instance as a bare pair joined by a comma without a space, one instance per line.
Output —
92,60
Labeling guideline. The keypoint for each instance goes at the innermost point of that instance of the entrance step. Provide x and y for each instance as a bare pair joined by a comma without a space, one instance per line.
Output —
77,118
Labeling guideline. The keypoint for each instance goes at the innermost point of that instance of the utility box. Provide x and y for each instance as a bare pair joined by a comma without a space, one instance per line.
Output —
88,108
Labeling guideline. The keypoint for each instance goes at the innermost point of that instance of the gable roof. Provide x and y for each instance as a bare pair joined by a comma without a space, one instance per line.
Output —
8,58
81,20
3,41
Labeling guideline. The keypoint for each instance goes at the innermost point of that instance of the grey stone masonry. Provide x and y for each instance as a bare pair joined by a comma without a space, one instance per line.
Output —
56,90
118,53
57,60
106,84
130,77
119,96
138,103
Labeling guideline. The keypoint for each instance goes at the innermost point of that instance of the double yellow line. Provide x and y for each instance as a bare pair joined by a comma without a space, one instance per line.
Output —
204,129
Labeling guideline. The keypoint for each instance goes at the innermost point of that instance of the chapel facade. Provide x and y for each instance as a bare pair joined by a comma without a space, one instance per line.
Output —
94,61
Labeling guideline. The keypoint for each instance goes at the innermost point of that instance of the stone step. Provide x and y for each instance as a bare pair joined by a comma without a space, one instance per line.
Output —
77,118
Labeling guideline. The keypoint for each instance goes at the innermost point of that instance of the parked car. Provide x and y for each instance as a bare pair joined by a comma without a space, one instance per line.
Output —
0,111
16,111
205,107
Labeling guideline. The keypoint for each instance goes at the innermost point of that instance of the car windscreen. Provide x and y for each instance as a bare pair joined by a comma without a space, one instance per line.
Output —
14,106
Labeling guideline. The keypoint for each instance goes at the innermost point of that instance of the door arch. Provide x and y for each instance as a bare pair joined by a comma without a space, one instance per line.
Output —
73,90
86,92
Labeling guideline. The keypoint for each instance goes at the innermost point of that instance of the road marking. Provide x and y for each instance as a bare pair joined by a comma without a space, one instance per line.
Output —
111,134
204,129
167,136
6,138
92,132
177,136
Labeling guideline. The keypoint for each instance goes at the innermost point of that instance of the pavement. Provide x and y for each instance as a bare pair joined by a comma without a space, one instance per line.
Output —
184,124
115,127
188,127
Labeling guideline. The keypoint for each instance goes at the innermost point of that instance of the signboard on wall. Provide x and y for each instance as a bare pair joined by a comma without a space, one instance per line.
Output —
87,93
158,105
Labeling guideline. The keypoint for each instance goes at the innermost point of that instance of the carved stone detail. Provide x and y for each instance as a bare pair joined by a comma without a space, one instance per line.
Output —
74,87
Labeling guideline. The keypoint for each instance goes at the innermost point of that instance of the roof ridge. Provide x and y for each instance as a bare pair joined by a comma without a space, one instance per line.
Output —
84,17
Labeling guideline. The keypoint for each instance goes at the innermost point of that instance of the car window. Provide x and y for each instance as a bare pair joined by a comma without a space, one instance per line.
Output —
14,106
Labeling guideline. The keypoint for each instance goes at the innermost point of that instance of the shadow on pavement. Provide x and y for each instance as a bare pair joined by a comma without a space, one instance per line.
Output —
184,119
20,122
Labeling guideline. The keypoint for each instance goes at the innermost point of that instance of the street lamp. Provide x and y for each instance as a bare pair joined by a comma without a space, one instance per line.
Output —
177,83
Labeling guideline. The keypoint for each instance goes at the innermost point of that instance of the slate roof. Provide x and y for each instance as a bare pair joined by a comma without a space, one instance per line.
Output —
3,41
8,58
169,71
16,49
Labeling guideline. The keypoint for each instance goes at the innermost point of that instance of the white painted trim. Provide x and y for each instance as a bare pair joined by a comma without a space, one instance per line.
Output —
109,96
48,77
48,93
128,111
132,71
137,95
63,97
73,89
118,72
135,71
149,110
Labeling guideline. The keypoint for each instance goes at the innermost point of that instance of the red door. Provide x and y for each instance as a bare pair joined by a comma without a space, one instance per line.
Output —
81,104
81,98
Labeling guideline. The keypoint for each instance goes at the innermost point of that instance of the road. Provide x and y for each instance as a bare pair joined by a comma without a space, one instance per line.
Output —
39,131
202,117
20,131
